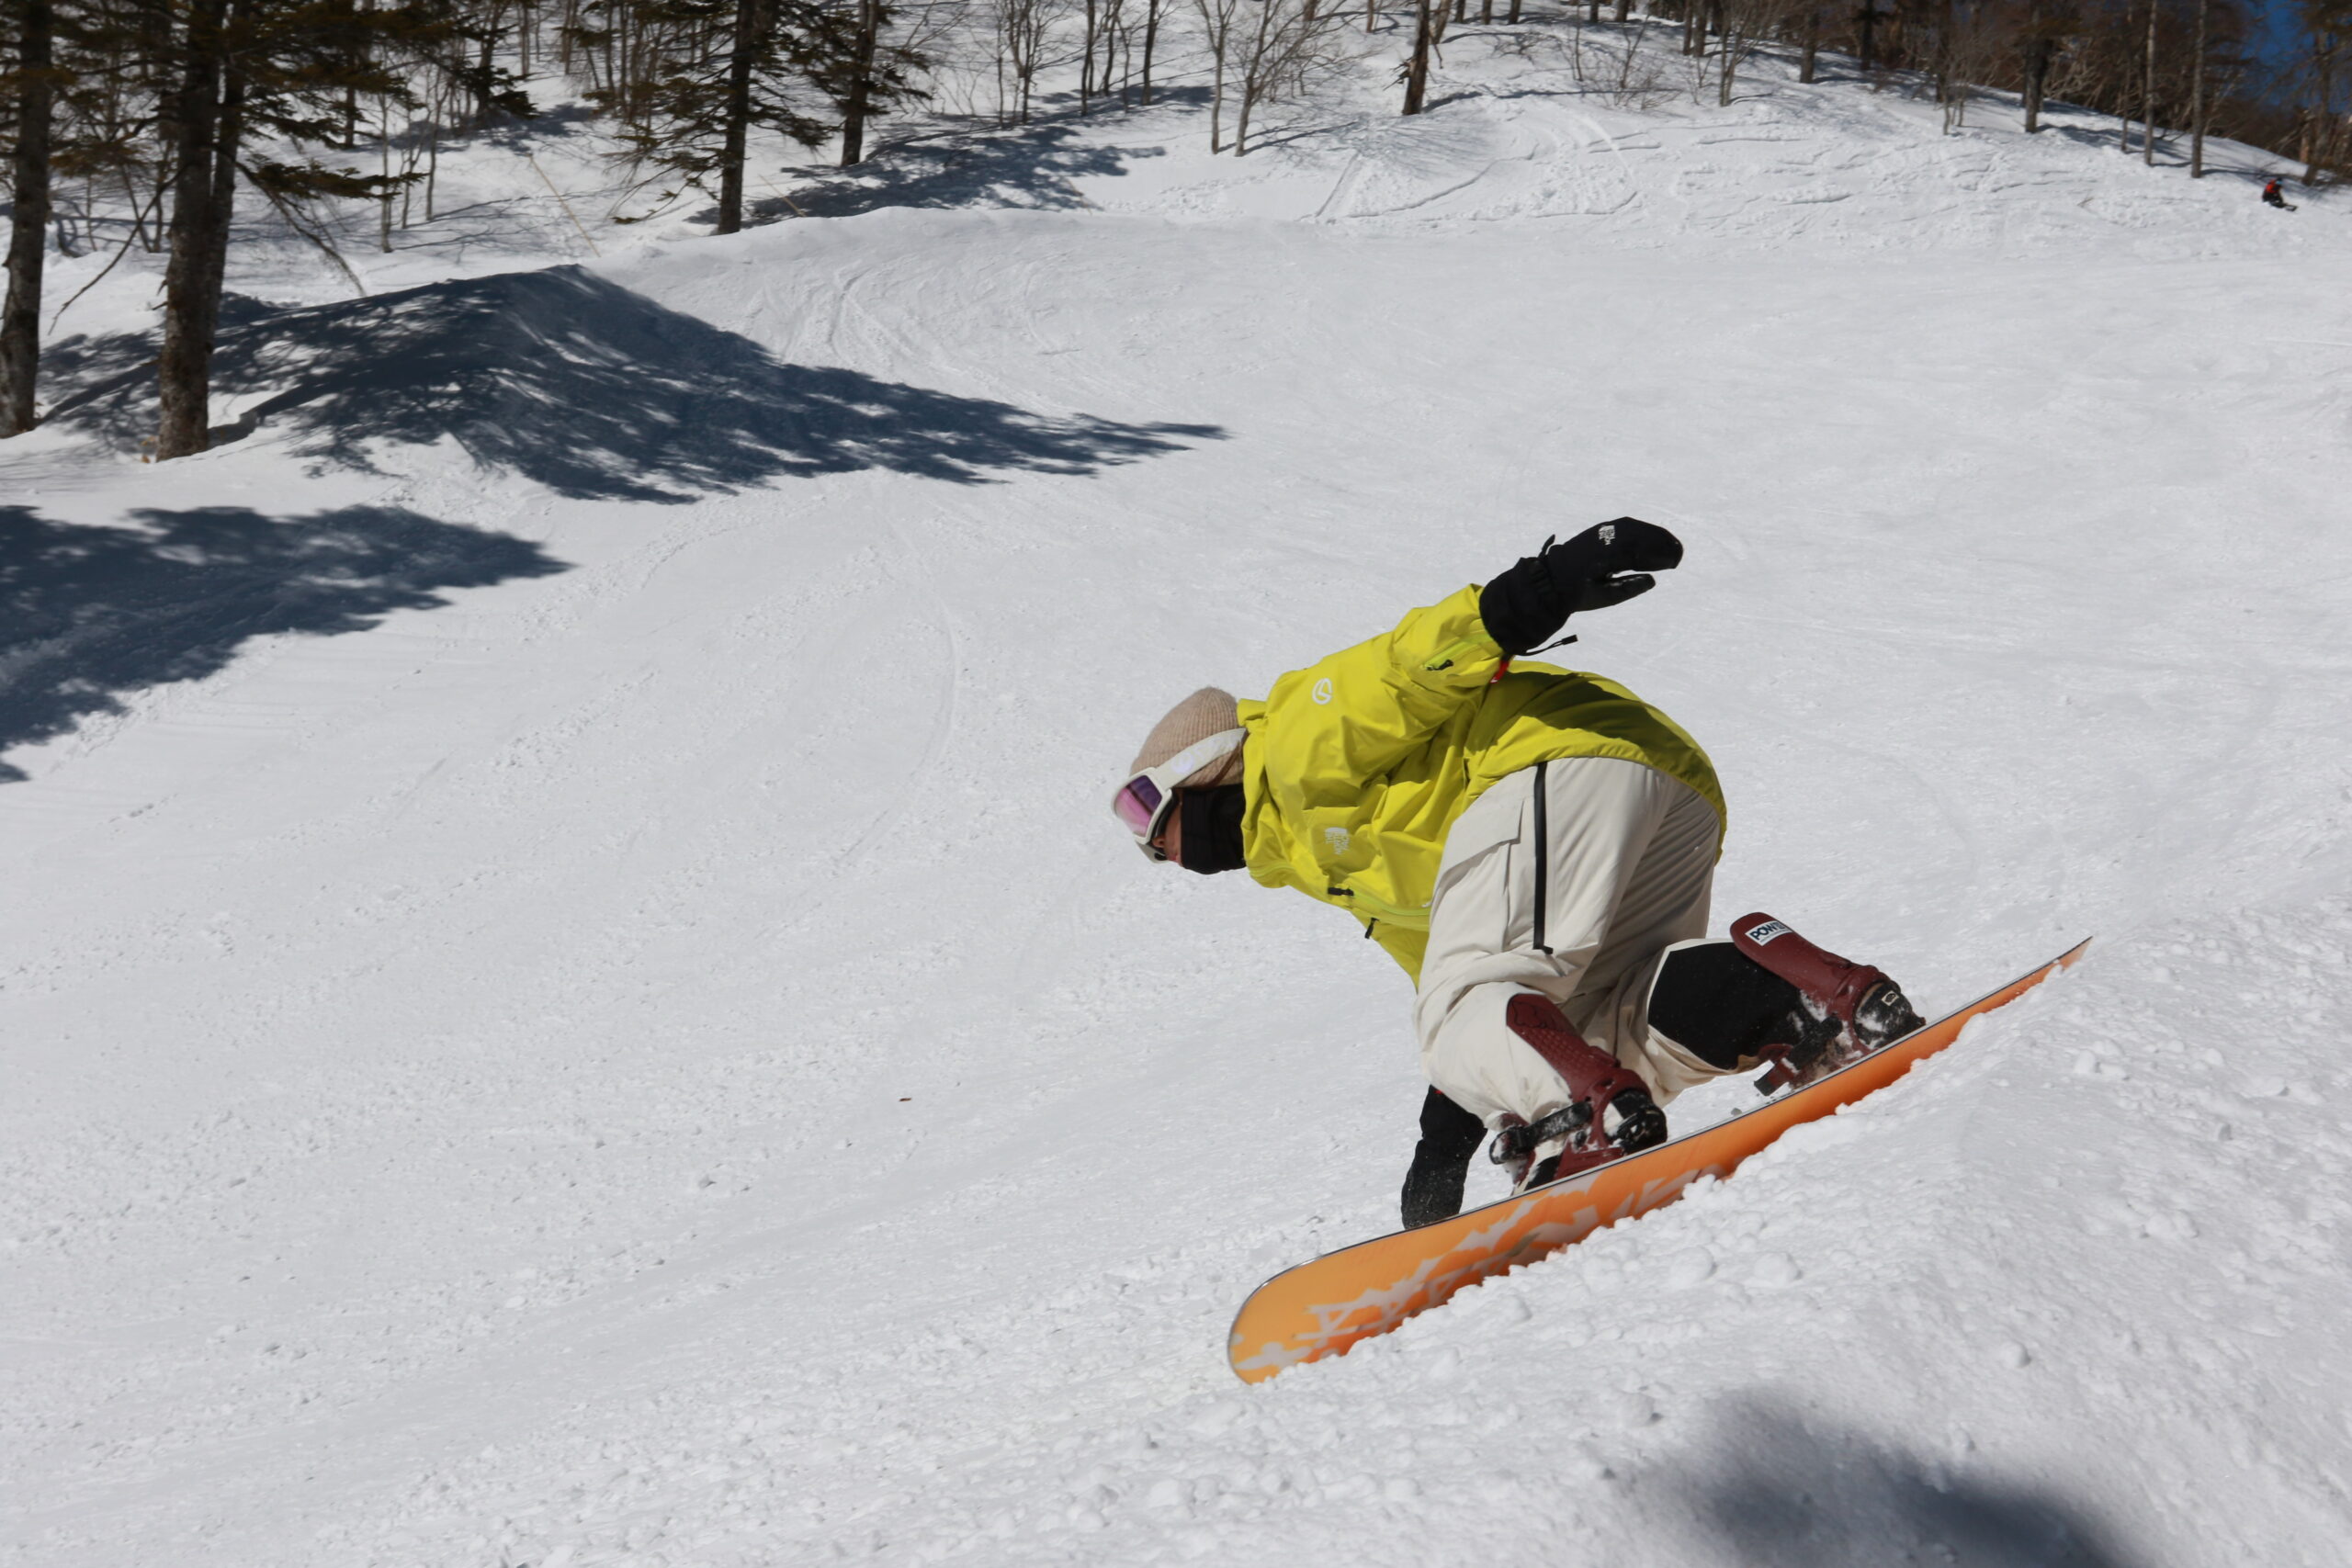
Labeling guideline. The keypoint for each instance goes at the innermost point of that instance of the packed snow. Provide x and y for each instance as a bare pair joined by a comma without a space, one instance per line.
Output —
571,998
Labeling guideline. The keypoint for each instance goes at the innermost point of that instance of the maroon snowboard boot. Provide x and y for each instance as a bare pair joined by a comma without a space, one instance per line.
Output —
1609,1114
1867,1009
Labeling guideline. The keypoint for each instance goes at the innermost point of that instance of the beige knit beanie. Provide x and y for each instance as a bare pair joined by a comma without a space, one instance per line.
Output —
1205,713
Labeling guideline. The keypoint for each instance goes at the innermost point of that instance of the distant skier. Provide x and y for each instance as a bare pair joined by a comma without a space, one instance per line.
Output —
2276,198
1535,847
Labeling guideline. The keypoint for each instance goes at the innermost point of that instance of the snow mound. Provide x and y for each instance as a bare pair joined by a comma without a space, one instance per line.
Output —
588,388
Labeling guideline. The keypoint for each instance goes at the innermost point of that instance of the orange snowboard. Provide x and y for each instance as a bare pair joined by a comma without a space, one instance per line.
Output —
1320,1308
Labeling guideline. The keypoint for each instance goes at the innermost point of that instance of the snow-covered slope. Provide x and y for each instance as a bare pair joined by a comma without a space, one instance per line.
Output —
570,997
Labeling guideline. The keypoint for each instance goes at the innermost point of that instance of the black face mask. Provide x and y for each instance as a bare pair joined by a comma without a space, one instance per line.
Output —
1213,829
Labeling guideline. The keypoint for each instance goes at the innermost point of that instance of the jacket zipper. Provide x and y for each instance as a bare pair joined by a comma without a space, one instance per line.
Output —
1543,857
1381,909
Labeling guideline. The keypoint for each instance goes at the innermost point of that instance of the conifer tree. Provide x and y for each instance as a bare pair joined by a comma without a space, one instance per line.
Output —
31,87
708,70
868,77
282,68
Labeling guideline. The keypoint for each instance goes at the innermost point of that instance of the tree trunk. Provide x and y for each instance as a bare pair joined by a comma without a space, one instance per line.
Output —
1085,61
859,109
735,115
2036,69
1150,40
1869,52
1220,38
2123,92
2148,94
2196,95
29,229
2319,123
384,169
203,136
1417,70
1808,65
1114,30
1252,79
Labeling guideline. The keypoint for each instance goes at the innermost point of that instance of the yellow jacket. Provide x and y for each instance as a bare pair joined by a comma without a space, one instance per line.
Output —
1357,766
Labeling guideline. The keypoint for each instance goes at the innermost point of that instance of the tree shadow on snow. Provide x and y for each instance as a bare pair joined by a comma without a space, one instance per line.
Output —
92,612
1775,1491
2223,160
595,391
1029,166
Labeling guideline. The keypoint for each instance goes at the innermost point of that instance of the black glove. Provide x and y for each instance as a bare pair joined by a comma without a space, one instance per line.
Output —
1607,564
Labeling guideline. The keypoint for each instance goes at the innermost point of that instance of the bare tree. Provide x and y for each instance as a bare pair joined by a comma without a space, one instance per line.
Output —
1153,11
1428,23
1289,44
1113,29
1739,25
1641,78
1218,17
1024,31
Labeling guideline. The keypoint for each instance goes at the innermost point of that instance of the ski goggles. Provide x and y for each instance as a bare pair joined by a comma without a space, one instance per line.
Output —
1142,804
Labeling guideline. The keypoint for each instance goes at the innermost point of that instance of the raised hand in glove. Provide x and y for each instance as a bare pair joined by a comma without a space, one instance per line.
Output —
1607,564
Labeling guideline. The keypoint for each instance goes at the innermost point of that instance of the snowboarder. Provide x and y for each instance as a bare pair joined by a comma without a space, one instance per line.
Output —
1535,847
2276,198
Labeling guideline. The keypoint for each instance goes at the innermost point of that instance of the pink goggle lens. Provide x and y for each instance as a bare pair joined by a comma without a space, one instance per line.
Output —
1136,805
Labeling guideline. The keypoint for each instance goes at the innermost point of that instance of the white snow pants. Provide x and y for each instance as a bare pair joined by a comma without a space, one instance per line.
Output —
1631,857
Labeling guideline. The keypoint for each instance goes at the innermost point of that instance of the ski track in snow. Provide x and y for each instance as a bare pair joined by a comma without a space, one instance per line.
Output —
614,1031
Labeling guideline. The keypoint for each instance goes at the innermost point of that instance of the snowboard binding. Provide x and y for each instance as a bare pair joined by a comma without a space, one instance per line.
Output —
1852,1010
1609,1114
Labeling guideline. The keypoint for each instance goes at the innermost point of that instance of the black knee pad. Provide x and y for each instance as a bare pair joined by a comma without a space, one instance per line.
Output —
1721,1006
